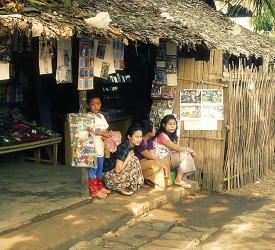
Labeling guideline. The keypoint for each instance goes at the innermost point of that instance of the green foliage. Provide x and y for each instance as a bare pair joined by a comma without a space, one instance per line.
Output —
263,12
263,22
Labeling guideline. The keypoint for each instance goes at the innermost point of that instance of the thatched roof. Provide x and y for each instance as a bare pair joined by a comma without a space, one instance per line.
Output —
183,22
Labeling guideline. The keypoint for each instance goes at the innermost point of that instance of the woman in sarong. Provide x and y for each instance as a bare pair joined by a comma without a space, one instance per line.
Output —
122,170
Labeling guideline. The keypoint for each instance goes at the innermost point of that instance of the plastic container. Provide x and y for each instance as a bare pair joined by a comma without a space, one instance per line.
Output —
173,174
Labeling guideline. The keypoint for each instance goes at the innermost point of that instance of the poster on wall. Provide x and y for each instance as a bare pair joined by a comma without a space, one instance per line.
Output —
104,59
118,52
86,63
45,56
201,104
171,64
82,137
212,104
64,60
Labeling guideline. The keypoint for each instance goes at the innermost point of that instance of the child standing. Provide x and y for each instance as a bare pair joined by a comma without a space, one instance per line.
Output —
165,147
95,174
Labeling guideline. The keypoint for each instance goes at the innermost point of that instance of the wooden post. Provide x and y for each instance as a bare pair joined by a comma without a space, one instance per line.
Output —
83,109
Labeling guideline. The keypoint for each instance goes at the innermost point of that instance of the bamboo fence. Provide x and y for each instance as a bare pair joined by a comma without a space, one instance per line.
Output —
250,141
242,148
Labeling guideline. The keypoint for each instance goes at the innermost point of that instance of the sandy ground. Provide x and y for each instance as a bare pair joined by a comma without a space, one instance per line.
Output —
29,190
263,188
244,217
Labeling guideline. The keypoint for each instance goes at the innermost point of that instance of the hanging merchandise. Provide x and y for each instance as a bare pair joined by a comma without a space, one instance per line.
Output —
163,102
160,68
64,60
5,44
118,51
104,59
163,87
104,70
161,76
171,64
5,53
101,48
82,137
86,63
45,56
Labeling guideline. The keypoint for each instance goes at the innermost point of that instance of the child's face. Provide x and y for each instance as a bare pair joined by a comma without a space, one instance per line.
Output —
136,138
170,126
94,105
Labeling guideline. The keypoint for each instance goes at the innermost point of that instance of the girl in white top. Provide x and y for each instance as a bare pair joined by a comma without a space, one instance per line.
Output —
165,147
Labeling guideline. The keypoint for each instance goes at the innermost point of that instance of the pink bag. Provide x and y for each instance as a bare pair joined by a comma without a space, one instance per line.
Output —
112,142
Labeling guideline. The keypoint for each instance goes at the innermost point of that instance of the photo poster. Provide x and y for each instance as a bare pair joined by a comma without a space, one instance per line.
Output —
161,76
201,105
160,70
118,53
166,64
45,56
104,70
82,138
103,66
64,61
171,64
86,63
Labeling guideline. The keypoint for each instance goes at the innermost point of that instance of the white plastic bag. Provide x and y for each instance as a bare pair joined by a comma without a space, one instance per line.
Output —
101,20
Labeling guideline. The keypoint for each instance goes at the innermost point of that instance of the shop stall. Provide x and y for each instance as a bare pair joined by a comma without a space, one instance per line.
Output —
146,60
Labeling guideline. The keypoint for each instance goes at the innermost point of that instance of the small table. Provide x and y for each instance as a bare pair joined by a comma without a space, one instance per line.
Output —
52,143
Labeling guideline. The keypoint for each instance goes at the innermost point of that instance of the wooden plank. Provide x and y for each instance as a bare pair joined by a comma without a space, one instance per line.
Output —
83,109
29,145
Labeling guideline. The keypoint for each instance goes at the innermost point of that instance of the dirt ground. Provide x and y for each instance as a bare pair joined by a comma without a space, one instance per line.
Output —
262,188
235,214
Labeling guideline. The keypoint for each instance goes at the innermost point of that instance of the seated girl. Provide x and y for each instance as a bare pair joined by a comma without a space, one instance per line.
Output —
154,170
165,147
123,168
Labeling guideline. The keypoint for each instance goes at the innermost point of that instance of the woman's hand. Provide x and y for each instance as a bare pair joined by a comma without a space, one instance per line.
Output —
192,153
120,165
130,154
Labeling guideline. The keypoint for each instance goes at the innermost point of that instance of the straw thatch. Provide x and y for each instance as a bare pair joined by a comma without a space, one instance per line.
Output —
184,22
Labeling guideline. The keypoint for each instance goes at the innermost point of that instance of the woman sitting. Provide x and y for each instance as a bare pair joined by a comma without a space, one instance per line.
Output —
166,148
154,170
123,168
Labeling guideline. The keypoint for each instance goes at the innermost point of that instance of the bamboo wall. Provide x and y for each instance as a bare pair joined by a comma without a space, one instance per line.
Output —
208,145
241,149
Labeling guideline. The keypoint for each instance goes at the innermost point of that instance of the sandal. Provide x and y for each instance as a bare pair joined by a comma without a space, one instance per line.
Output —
149,183
144,185
183,184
